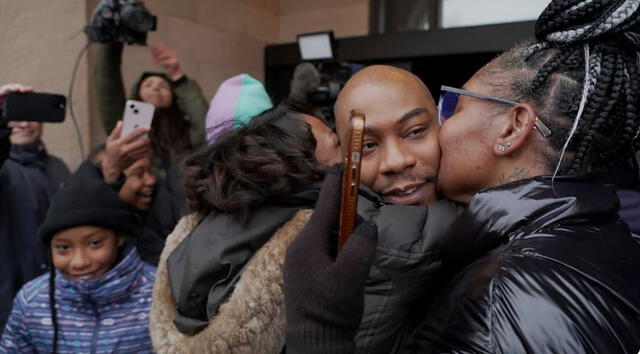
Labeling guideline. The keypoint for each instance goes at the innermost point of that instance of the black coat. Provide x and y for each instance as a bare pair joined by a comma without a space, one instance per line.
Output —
28,178
539,269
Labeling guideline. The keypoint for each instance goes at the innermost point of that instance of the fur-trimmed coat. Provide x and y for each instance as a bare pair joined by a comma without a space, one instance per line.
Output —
251,320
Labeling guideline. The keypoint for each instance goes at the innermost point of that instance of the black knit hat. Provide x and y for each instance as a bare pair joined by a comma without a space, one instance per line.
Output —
86,200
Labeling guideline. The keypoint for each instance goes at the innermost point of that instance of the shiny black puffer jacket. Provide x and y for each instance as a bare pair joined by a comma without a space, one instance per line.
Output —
539,269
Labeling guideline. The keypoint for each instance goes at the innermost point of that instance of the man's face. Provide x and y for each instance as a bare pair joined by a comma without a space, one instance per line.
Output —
25,133
401,154
137,190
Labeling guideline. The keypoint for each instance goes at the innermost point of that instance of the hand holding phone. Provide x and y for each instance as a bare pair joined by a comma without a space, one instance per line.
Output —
123,150
351,177
137,115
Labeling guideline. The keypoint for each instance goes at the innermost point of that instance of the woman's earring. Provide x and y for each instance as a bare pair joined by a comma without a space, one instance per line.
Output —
502,148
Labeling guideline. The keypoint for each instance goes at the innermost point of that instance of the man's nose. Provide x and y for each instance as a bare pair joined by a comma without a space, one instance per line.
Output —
396,158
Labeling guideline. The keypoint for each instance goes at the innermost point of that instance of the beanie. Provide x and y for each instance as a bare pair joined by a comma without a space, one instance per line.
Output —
237,100
86,200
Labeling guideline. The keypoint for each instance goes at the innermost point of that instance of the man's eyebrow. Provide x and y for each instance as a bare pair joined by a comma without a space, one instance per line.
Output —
411,114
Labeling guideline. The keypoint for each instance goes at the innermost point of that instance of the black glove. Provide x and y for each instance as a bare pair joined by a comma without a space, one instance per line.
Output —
324,296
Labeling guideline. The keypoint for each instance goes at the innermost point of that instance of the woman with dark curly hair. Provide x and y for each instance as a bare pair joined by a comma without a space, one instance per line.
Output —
219,285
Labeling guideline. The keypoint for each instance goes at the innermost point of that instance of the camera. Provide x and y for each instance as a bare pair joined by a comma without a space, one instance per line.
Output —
333,77
126,21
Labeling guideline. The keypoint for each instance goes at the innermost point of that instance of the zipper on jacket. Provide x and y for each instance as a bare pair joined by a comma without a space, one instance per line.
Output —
96,330
377,202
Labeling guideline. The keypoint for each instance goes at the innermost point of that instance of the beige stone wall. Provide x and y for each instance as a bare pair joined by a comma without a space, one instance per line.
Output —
38,46
347,18
214,39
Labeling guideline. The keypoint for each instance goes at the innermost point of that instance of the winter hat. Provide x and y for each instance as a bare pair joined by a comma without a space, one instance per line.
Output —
237,100
86,200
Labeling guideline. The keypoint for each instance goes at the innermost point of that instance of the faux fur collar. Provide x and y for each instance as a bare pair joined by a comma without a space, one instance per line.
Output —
252,320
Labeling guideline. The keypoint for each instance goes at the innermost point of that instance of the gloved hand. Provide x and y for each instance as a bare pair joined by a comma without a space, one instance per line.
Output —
324,297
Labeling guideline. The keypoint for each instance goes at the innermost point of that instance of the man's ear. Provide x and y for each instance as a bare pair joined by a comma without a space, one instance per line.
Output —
513,137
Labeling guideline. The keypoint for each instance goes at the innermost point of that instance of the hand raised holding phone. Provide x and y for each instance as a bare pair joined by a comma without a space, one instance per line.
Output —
122,151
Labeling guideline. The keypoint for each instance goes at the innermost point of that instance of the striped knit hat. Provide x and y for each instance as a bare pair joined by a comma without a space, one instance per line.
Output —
237,100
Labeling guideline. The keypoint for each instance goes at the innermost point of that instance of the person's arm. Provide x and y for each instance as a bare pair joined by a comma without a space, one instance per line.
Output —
192,101
108,84
15,338
188,92
324,296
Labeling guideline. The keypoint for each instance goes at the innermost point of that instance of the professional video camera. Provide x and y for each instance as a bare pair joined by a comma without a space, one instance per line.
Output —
320,78
332,80
126,21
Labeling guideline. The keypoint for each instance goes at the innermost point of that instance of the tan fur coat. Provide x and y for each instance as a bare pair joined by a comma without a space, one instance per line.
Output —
252,320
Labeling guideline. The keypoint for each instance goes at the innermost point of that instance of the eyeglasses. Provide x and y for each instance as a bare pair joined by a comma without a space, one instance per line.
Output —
449,100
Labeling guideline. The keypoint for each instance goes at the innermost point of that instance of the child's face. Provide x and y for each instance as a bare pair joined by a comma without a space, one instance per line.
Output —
85,252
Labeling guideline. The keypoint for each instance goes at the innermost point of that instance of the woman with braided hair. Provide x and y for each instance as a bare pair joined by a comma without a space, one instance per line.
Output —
539,260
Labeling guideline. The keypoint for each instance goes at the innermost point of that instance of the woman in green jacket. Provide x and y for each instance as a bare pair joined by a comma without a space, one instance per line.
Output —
178,124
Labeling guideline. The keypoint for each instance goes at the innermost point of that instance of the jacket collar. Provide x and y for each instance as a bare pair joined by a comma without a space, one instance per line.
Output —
112,286
495,215
28,154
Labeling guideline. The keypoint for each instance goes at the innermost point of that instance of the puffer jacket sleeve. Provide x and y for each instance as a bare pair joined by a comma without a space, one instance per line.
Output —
15,338
406,274
191,100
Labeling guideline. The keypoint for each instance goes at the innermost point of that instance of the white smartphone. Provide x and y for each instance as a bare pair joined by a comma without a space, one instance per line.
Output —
137,114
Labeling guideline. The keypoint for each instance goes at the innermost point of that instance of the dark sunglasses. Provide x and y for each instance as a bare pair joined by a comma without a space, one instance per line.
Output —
449,100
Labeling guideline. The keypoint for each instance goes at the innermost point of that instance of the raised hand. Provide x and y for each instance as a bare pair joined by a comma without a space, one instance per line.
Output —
325,296
166,58
121,152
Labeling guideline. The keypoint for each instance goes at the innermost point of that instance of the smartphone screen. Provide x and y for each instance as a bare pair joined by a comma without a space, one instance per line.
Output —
351,178
137,114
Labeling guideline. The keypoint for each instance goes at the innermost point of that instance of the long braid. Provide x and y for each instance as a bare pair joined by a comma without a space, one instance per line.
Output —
597,114
590,102
52,305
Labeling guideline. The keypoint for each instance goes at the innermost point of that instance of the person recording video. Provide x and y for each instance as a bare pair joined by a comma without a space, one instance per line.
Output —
28,179
180,107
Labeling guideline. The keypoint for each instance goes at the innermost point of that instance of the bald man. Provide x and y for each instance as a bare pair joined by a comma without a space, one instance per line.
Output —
400,163
401,154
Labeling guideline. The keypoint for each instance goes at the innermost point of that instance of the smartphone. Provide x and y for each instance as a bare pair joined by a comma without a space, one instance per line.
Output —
351,177
137,114
34,107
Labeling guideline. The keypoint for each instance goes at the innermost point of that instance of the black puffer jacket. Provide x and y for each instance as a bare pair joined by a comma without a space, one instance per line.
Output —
540,269
406,272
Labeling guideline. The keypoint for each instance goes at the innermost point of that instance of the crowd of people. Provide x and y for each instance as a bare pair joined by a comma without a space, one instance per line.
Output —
503,218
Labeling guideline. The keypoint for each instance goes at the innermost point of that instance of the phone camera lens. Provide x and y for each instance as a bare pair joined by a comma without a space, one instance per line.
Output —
131,105
135,111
